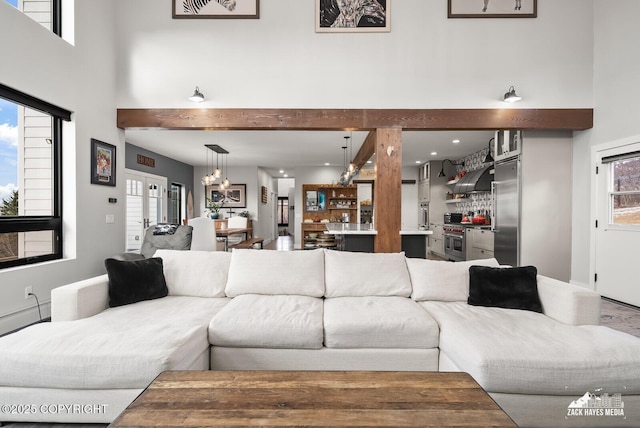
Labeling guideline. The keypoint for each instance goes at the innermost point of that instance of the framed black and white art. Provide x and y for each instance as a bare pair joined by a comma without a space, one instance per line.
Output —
247,9
352,16
492,9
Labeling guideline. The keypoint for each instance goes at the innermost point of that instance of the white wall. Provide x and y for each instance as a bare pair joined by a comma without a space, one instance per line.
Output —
616,104
41,64
268,222
425,61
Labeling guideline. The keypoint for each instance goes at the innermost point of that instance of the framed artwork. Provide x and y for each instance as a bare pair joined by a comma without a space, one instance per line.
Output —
265,194
315,201
492,9
233,197
247,9
103,163
353,16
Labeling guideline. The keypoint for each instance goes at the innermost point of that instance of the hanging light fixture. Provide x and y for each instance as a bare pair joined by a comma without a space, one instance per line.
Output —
206,179
352,166
226,181
197,96
511,96
489,158
218,172
345,176
441,173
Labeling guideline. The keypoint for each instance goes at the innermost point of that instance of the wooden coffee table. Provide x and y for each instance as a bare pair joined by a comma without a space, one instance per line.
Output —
313,398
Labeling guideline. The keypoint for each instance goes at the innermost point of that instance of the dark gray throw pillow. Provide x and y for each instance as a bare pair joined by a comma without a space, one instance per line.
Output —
132,281
510,288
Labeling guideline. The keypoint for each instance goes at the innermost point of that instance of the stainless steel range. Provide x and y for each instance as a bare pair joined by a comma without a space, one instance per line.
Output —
454,242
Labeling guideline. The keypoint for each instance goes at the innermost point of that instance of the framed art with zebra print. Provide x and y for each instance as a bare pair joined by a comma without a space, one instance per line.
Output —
247,9
492,9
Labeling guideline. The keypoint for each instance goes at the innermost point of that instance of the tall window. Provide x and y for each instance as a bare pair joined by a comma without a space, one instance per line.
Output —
283,211
45,12
30,179
175,216
625,189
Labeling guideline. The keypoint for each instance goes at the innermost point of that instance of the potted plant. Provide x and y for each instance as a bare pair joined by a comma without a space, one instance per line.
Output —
245,213
214,208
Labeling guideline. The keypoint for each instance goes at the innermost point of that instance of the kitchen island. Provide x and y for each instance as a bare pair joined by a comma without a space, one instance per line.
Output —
414,243
353,236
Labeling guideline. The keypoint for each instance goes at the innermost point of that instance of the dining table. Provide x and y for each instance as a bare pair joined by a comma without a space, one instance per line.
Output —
225,233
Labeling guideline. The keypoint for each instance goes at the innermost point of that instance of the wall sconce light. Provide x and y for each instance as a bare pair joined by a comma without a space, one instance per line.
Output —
489,158
441,173
197,96
511,96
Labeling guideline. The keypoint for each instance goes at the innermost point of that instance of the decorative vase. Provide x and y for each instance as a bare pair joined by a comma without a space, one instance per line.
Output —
214,215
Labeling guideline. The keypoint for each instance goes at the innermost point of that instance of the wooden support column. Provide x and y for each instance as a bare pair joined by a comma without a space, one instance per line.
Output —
387,190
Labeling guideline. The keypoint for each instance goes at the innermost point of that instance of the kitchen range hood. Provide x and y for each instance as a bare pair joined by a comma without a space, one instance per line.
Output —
474,181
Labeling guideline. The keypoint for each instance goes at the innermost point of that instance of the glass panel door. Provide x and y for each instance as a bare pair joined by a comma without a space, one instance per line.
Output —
146,206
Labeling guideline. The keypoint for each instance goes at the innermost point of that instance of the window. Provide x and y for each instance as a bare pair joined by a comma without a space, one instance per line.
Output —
175,216
624,194
45,12
30,179
283,211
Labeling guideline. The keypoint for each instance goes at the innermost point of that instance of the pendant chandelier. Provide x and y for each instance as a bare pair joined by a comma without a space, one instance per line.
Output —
349,170
210,179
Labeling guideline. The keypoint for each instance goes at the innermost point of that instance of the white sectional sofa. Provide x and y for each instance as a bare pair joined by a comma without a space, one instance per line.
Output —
317,310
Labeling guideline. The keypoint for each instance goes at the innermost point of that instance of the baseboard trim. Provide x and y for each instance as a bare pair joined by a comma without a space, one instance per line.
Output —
22,318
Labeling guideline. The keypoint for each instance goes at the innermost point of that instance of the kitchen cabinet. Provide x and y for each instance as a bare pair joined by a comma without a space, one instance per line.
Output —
436,241
424,194
432,191
479,243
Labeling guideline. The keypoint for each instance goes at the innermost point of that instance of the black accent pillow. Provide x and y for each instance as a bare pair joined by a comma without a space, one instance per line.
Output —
132,281
510,288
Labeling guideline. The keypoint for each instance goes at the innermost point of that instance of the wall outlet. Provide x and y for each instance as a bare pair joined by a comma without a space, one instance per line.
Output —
27,290
110,219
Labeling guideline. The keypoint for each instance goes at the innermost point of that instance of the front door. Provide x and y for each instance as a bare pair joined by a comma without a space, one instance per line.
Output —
146,205
618,223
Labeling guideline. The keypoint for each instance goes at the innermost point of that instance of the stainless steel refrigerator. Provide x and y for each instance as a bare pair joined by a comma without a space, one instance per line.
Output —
506,215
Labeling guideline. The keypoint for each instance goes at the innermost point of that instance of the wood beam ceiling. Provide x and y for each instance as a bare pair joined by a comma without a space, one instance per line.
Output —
356,119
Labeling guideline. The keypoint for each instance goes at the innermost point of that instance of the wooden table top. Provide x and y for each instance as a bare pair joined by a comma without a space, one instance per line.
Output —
313,398
227,232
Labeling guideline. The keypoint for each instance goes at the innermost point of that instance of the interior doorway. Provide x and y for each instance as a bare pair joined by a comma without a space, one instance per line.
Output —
146,205
617,235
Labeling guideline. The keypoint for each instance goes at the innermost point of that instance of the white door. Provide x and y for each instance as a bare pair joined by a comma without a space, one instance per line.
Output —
146,205
617,237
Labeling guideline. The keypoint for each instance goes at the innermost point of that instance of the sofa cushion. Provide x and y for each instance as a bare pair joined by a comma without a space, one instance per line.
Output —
510,288
366,274
378,322
123,347
258,321
276,272
179,240
442,281
523,352
195,273
132,281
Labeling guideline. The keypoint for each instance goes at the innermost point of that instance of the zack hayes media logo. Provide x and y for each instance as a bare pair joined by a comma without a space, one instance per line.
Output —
597,405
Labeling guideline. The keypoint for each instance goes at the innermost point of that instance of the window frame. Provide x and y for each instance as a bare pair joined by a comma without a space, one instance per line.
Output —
609,162
53,223
281,209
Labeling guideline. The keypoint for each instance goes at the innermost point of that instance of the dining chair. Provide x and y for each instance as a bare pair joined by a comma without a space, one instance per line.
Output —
204,234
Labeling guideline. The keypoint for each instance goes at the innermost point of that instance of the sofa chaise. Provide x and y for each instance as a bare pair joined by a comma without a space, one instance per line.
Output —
318,310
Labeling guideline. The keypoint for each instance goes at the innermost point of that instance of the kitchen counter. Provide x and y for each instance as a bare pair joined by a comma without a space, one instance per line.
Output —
416,232
350,229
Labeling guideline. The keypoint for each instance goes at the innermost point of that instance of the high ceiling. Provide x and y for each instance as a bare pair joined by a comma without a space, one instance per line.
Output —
287,150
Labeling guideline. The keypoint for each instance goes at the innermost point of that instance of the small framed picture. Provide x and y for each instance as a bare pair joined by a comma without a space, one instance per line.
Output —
353,16
492,9
212,9
103,163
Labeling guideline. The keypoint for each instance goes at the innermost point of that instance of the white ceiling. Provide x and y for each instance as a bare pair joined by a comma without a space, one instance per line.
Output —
287,150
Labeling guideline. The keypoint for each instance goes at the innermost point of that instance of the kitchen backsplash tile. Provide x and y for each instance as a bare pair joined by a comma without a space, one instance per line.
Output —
476,202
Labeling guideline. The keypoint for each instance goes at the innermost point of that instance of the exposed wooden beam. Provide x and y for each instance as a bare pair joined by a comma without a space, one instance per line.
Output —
387,192
367,149
356,119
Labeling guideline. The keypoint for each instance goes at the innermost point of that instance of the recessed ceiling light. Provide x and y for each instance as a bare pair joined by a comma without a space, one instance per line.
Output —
369,162
456,141
418,162
282,171
327,164
434,153
286,175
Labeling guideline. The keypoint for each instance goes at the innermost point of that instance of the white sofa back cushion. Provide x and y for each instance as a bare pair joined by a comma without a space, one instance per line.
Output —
195,273
276,272
442,281
350,274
